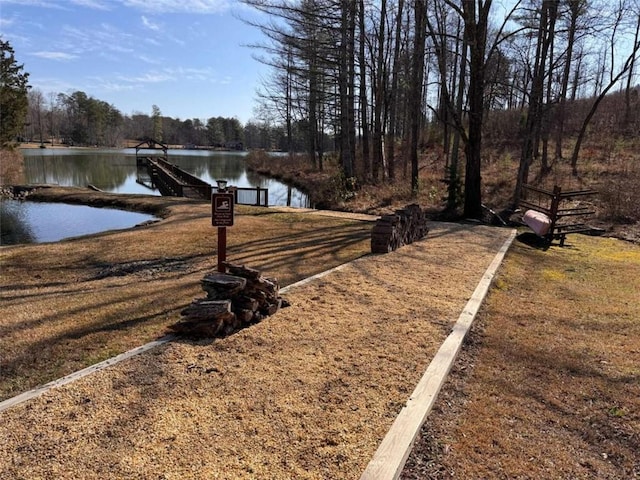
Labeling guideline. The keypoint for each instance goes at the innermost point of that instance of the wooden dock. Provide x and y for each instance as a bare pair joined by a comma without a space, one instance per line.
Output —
153,162
152,158
173,181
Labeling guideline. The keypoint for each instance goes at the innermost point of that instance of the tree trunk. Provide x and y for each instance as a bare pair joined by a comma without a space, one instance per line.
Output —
393,96
417,71
379,96
366,156
345,82
454,184
574,6
534,114
476,36
627,91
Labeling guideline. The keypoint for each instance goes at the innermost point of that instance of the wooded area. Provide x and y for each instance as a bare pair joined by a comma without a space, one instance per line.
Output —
378,82
404,73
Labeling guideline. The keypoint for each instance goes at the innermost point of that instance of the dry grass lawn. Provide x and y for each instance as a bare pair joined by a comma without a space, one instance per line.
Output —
70,304
307,393
549,384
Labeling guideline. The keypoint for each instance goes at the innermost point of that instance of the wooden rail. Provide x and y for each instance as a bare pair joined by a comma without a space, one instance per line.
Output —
173,181
257,196
177,182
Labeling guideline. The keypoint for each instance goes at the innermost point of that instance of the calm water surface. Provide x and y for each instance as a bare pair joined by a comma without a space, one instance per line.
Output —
35,222
114,171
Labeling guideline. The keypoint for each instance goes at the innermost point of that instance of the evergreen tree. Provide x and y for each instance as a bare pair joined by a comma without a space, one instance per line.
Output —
157,123
14,103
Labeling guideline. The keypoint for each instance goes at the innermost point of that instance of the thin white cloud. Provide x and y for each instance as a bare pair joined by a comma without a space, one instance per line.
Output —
111,86
105,39
61,56
150,77
63,5
96,4
52,84
194,74
35,3
180,6
182,74
152,41
150,25
149,60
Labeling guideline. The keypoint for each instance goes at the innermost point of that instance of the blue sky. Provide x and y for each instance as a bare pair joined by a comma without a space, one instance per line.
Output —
189,57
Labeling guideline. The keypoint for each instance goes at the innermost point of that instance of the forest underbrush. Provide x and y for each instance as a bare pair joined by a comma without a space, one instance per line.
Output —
611,167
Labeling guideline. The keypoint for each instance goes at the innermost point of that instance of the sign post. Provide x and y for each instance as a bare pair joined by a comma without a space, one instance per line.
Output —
222,217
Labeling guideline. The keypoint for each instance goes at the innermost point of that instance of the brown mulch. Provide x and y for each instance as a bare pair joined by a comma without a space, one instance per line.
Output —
308,393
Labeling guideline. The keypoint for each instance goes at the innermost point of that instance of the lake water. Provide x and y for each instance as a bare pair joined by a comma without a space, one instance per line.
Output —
114,171
35,222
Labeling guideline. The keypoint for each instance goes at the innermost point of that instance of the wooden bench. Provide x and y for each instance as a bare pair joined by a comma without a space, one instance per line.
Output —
563,217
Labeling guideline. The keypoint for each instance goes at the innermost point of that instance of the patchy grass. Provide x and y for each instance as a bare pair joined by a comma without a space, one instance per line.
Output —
551,388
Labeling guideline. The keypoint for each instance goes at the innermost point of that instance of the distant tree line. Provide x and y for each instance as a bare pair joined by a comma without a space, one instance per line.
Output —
79,119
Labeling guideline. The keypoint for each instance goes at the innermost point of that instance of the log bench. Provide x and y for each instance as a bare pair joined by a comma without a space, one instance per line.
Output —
552,214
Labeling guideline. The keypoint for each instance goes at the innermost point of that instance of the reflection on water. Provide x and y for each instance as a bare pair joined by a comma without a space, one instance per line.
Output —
115,171
34,222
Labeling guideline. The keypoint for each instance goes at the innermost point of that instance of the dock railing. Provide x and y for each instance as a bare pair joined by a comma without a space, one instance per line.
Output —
257,196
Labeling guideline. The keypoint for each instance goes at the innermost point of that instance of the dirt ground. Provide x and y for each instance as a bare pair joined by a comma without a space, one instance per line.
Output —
307,393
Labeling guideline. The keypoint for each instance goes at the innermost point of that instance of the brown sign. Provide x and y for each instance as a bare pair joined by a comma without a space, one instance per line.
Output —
222,209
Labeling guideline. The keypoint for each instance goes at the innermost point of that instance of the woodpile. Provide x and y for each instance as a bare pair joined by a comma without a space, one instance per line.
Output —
235,299
406,226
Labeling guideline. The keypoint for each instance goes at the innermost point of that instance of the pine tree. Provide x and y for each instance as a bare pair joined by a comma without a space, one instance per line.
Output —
13,95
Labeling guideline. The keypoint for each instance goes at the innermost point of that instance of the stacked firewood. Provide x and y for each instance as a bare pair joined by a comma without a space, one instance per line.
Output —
234,300
402,228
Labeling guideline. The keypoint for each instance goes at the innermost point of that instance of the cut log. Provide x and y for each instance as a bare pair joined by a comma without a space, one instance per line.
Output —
222,286
242,271
245,316
391,232
206,309
273,308
234,300
244,302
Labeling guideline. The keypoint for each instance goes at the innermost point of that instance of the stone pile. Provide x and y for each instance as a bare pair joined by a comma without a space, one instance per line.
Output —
405,226
234,300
